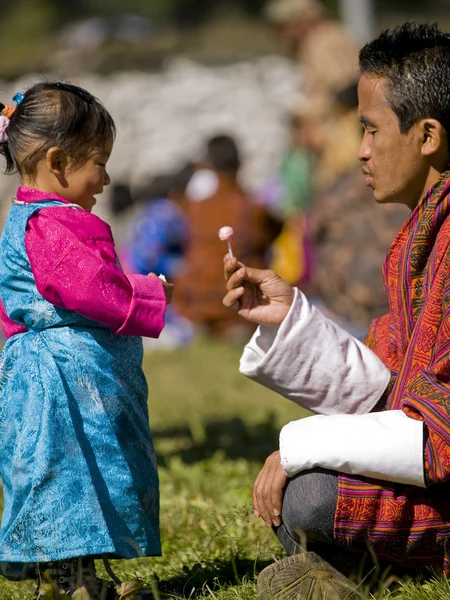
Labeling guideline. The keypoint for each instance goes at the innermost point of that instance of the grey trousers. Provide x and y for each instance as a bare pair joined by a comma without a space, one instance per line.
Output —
307,515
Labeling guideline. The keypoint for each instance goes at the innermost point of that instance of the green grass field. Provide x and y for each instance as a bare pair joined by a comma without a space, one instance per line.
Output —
213,429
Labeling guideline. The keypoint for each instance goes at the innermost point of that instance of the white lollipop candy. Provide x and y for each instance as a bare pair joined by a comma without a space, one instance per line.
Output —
226,234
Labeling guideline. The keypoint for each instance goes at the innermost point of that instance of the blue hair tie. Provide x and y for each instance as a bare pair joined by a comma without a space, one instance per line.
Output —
17,98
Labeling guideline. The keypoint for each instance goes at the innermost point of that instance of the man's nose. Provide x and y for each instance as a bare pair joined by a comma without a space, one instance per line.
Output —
365,151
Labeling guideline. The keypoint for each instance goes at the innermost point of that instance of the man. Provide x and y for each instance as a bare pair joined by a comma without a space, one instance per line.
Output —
373,466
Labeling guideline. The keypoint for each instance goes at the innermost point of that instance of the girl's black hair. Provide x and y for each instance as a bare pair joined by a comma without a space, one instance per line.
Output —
54,114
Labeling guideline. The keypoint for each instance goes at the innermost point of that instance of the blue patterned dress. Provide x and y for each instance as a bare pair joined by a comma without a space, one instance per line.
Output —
76,456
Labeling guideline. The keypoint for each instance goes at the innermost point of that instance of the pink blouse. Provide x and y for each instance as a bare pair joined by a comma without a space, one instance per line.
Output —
72,257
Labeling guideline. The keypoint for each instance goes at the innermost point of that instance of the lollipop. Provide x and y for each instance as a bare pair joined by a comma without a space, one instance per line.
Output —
226,234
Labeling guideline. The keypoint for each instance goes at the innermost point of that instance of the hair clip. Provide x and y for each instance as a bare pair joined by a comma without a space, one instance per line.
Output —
17,98
8,111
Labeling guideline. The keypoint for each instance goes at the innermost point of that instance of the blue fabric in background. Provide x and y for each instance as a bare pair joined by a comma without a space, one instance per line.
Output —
157,240
158,236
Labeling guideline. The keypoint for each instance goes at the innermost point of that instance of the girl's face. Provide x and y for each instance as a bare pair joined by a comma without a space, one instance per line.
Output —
85,181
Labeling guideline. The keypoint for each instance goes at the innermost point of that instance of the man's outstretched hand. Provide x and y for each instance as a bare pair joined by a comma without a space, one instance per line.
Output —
268,491
257,295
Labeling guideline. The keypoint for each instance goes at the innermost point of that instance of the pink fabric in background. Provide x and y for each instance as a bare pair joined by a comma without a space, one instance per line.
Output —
73,261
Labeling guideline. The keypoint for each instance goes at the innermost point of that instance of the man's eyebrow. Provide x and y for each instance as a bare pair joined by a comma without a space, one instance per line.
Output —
365,121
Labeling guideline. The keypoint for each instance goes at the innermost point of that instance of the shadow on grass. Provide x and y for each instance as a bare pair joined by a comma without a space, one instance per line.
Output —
196,580
233,437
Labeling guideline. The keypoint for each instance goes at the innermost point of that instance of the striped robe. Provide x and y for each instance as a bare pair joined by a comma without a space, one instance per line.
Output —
405,524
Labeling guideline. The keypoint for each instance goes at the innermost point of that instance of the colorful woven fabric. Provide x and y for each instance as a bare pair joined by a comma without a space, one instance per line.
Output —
409,525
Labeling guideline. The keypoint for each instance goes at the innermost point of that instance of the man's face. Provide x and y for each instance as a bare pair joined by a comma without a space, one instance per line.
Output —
392,160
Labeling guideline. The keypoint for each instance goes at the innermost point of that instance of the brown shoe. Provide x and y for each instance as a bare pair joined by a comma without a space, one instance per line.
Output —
305,576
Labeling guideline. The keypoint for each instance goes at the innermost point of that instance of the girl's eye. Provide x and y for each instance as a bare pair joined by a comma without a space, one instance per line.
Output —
102,165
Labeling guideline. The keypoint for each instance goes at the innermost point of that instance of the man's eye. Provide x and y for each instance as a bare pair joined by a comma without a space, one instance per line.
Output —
102,165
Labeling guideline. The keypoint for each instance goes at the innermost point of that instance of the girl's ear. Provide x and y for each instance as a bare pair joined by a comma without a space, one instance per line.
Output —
56,161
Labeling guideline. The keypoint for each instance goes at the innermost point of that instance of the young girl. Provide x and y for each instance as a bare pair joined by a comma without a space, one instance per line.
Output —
76,456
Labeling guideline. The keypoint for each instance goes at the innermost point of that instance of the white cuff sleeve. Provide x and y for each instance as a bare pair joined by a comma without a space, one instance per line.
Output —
386,445
314,362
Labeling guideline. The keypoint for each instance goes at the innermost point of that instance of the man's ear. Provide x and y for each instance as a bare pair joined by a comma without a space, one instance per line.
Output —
434,137
56,161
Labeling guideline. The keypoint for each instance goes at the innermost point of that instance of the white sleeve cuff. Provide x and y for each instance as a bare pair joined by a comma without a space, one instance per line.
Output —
386,445
314,362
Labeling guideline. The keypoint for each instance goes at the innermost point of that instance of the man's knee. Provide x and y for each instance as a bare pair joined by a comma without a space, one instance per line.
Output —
309,506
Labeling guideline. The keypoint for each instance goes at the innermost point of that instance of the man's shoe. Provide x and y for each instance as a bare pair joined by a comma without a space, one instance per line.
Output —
304,576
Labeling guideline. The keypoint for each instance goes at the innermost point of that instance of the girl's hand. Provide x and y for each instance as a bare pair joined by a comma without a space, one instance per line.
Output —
168,287
257,295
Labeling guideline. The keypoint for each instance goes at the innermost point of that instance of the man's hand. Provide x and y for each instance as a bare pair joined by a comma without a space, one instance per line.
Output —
268,491
257,295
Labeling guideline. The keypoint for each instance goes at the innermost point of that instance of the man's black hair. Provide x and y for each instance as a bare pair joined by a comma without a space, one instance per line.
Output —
223,154
54,114
415,60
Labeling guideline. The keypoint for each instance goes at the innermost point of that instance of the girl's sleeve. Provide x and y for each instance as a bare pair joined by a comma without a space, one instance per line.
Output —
75,267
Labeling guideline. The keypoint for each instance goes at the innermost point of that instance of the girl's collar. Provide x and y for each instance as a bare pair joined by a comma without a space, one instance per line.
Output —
29,195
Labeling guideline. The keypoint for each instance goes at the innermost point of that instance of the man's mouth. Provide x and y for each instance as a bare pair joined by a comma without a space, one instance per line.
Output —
369,179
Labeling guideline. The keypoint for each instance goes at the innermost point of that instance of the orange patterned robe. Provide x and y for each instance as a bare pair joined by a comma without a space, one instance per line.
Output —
405,524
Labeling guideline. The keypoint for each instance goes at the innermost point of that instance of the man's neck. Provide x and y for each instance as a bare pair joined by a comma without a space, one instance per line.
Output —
432,177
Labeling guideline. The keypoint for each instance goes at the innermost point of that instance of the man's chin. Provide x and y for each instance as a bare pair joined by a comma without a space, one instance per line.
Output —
380,198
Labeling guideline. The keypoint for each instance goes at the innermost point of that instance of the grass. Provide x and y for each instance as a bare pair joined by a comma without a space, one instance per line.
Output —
213,429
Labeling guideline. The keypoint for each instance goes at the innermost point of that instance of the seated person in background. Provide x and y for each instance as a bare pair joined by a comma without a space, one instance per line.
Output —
158,234
157,238
201,283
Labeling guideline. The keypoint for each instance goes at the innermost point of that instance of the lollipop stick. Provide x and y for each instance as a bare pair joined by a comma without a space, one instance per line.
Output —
230,250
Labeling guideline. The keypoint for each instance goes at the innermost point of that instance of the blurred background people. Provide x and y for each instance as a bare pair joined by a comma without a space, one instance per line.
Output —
199,285
174,73
158,233
156,242
327,55
338,154
288,194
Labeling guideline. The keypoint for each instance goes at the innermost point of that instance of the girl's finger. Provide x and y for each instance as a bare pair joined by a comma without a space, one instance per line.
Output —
168,289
